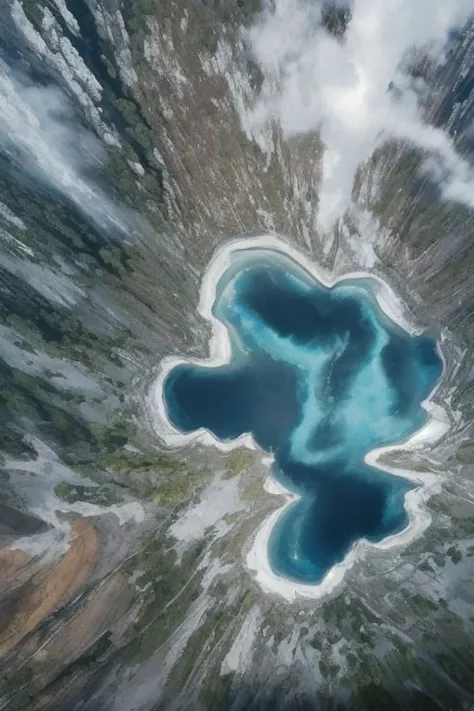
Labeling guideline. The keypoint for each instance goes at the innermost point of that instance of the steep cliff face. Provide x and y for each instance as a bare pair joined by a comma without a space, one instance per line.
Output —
131,146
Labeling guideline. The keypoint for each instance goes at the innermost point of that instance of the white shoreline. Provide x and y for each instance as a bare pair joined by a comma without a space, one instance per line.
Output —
219,354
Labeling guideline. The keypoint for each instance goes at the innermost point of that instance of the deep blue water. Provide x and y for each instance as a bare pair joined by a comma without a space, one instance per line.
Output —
320,377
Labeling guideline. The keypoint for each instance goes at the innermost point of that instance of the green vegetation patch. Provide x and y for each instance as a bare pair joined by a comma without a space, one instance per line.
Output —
238,461
100,495
465,452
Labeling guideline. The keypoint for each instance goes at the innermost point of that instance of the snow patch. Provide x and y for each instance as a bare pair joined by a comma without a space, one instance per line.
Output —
36,479
137,168
60,372
218,499
239,656
10,216
67,16
124,56
54,286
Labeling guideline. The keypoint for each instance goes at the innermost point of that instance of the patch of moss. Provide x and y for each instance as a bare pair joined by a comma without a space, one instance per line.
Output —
454,553
465,452
237,462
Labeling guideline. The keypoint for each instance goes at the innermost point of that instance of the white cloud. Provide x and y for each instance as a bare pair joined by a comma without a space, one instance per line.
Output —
313,82
41,136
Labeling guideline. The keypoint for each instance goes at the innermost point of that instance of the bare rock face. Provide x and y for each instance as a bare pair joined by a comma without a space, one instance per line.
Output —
135,138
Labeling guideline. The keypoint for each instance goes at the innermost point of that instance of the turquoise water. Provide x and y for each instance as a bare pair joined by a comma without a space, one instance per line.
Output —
319,377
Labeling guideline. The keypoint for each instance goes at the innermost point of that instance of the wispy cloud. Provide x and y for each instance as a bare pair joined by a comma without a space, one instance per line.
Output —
41,135
313,82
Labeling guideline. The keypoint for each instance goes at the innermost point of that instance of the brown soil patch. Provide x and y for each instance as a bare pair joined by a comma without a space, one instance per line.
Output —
101,611
51,587
11,562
